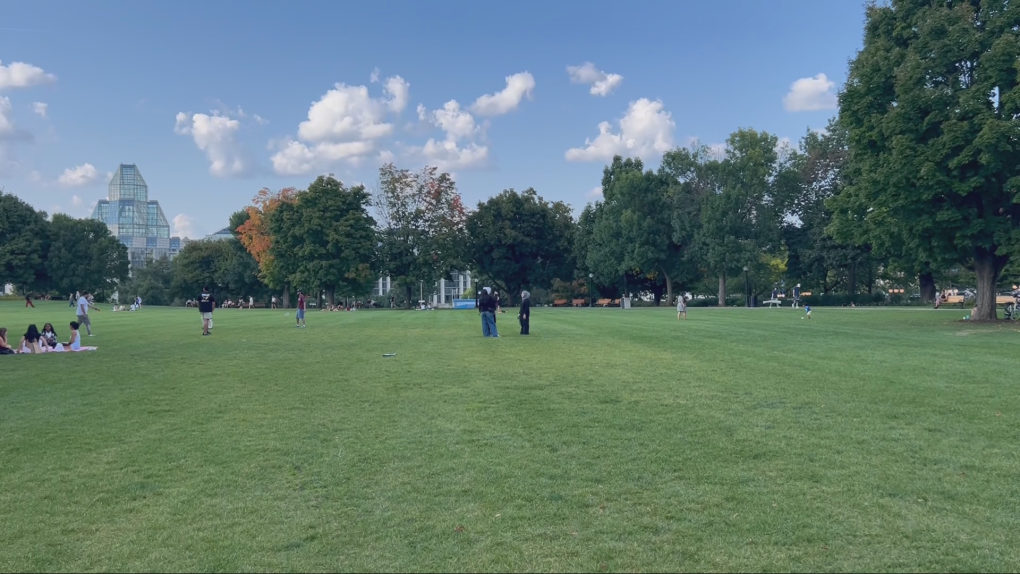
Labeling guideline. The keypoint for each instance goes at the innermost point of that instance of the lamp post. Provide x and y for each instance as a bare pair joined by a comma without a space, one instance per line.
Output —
747,289
590,277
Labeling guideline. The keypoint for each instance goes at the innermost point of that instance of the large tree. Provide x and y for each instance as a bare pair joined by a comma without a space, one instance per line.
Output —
24,239
254,235
330,236
200,265
151,282
742,217
932,110
84,256
421,225
521,240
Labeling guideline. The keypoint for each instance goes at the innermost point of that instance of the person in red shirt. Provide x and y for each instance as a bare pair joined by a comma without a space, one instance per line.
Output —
300,310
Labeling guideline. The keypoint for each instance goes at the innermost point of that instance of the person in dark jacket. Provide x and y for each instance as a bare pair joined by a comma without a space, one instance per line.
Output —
525,314
487,308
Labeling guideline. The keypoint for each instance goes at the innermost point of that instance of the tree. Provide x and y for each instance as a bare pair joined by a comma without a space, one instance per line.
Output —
152,282
742,217
422,223
932,108
200,265
520,239
253,233
24,239
330,236
84,256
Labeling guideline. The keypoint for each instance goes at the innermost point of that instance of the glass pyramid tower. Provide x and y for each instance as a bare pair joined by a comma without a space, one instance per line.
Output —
136,220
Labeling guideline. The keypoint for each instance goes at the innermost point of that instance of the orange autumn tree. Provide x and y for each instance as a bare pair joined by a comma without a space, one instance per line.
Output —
254,235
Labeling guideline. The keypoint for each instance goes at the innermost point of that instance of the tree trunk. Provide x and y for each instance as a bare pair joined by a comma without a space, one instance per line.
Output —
669,288
722,289
987,267
331,294
871,276
286,296
927,283
852,279
408,287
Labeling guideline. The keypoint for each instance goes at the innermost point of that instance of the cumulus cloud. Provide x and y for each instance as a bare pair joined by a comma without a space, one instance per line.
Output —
216,135
459,125
602,84
342,126
646,131
811,94
85,174
40,108
508,99
595,193
22,75
184,226
7,129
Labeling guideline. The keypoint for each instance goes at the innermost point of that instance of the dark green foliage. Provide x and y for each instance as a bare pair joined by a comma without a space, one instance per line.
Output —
24,241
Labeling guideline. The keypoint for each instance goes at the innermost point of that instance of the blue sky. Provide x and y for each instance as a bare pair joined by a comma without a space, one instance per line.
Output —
215,100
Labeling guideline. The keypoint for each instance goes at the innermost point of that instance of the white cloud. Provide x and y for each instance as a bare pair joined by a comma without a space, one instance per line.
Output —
447,154
78,176
811,94
259,119
595,193
374,78
184,226
602,84
6,123
215,135
40,108
386,156
76,201
646,131
22,75
517,87
342,126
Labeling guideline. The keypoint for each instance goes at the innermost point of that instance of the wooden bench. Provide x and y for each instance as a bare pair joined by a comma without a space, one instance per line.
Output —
259,305
773,303
578,302
603,302
954,300
615,303
559,302
1004,300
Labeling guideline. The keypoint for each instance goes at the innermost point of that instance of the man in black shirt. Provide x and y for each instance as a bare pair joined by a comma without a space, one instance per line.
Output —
206,304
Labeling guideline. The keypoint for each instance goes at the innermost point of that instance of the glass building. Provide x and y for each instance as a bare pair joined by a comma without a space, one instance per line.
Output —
135,219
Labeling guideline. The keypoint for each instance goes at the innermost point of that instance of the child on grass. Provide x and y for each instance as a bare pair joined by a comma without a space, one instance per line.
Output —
681,307
807,310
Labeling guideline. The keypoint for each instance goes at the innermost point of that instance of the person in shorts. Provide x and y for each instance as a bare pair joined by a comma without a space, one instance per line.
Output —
83,312
300,310
206,305
681,308
807,311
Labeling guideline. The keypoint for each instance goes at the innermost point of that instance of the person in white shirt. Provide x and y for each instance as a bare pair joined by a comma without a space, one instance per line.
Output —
83,312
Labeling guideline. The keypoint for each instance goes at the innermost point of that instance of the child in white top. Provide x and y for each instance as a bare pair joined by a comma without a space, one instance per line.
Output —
681,307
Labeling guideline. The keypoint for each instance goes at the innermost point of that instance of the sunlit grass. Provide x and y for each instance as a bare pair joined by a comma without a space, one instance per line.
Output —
609,440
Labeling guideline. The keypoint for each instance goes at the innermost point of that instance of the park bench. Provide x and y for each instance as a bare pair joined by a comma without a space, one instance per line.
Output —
1004,300
954,300
578,302
616,302
559,302
259,305
774,303
603,302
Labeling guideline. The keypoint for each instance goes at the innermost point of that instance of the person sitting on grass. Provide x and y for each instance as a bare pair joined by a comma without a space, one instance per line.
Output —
5,347
74,344
49,336
30,340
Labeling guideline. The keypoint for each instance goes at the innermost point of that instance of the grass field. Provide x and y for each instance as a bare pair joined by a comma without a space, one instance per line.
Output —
610,440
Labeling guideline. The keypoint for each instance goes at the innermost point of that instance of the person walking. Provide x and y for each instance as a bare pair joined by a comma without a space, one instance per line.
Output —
796,296
83,312
681,307
487,309
70,299
206,305
300,310
28,301
274,301
525,314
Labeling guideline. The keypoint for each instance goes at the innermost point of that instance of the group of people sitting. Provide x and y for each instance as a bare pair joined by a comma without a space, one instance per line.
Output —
45,341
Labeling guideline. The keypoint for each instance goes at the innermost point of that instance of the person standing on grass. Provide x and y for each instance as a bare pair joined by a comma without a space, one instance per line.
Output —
83,312
251,302
274,301
525,314
70,299
300,310
487,308
796,296
206,306
28,301
681,307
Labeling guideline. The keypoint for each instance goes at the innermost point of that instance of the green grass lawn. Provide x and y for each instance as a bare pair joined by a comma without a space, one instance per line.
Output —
610,440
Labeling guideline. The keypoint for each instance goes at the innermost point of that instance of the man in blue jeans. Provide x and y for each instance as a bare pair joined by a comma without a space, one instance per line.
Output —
487,308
